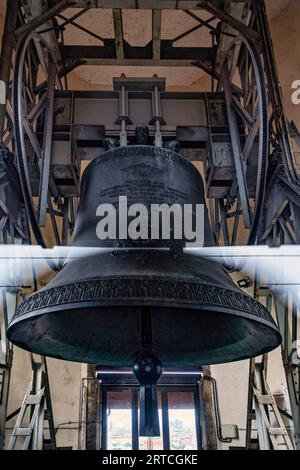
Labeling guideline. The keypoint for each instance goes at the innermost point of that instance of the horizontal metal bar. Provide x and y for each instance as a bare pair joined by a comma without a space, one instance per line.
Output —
138,62
106,54
81,28
72,19
13,414
142,4
202,22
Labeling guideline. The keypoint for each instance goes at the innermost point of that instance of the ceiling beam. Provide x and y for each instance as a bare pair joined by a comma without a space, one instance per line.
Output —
146,4
156,33
118,29
106,54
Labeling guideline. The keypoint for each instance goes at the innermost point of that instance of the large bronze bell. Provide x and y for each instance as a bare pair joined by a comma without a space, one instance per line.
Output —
107,308
137,306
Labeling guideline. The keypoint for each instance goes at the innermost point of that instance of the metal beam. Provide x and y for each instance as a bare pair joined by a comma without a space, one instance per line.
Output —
93,413
106,54
236,148
43,18
207,413
247,32
118,29
156,33
202,22
291,370
6,53
80,27
191,30
47,150
38,8
143,4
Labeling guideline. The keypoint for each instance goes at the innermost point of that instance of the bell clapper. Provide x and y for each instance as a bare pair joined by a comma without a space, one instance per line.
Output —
147,369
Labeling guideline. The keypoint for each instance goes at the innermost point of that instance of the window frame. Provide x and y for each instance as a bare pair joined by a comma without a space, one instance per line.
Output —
134,390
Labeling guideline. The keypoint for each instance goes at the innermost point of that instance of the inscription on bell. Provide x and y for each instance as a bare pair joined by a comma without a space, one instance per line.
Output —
144,192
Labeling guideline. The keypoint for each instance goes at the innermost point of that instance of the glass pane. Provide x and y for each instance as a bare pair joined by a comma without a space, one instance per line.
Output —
119,420
155,443
182,421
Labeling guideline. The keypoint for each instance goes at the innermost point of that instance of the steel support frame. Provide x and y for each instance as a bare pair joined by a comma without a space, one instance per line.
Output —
11,231
285,228
9,234
286,316
292,369
6,56
37,404
8,305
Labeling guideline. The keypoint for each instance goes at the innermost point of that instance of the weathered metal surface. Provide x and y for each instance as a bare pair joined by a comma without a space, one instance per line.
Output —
135,55
92,310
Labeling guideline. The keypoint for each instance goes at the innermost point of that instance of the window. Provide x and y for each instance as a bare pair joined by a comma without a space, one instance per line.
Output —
119,420
179,418
182,421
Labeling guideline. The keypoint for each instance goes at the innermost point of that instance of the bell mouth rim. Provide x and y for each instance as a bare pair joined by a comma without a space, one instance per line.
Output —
138,303
172,357
190,295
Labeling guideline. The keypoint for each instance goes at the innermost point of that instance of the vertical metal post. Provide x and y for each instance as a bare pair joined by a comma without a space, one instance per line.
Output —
236,148
47,148
263,436
135,418
156,34
37,382
118,29
198,419
65,224
275,92
104,420
157,116
208,422
92,411
250,411
165,419
292,371
123,112
5,371
8,302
